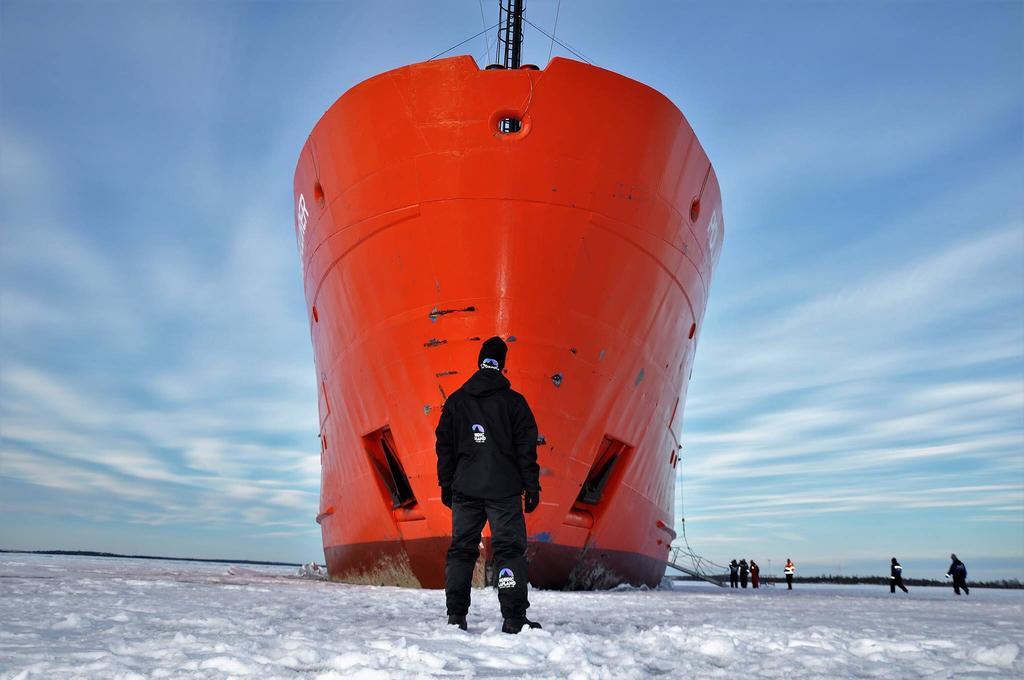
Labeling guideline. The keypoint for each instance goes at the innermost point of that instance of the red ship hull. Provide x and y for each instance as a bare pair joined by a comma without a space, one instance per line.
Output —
587,239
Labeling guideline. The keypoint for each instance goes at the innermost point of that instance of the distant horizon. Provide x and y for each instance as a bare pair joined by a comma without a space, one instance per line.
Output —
828,569
103,553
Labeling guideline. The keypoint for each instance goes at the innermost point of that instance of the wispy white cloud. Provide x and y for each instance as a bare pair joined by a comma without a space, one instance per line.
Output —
831,405
863,134
191,398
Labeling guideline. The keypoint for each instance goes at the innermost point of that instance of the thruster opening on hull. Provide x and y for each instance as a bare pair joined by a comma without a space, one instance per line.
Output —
611,453
380,447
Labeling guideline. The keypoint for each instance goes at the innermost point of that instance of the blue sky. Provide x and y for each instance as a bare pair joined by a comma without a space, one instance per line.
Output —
859,387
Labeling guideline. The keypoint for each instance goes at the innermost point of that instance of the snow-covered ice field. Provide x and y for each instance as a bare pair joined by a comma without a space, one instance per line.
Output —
67,617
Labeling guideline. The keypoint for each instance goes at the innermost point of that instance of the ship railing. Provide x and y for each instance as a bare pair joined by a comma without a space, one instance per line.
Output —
685,560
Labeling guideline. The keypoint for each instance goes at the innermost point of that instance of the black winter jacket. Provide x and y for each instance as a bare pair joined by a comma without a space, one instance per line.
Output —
957,569
487,439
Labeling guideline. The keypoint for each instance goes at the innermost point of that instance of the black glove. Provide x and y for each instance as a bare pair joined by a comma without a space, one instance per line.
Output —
446,496
532,501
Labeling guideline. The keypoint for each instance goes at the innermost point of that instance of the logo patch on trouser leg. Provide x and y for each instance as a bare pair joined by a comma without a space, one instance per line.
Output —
506,579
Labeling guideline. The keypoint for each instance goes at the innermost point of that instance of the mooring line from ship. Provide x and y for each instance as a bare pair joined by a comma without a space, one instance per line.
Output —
472,37
700,563
529,97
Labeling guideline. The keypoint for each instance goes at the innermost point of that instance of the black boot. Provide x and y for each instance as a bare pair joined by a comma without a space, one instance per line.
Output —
513,626
456,620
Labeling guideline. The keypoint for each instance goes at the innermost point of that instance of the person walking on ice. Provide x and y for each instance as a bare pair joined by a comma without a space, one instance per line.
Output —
488,473
734,574
958,570
896,577
744,571
789,570
755,575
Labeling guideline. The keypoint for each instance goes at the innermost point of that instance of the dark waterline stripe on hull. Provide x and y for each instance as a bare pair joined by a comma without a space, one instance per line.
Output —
420,564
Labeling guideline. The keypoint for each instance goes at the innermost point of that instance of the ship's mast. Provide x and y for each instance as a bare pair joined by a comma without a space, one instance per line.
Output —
509,48
510,34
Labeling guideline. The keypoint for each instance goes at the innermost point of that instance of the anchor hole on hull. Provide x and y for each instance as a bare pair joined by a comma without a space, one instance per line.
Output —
383,454
509,125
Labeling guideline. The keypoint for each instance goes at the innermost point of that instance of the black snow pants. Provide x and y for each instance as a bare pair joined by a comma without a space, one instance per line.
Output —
508,542
733,580
789,581
743,579
958,583
895,583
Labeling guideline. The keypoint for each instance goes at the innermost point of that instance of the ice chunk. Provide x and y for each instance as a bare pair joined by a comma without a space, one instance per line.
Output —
72,620
312,570
722,650
1002,655
226,664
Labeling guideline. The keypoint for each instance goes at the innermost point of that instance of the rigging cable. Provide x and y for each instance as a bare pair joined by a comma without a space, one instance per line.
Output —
487,38
472,37
558,41
554,30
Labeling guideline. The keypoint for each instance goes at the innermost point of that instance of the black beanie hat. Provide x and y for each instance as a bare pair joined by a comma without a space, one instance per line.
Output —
494,349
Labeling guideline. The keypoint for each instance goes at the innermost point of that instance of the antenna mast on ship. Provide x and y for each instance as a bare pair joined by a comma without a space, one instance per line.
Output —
509,49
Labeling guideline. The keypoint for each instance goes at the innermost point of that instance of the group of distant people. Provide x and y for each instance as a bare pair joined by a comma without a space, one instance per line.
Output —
740,571
957,571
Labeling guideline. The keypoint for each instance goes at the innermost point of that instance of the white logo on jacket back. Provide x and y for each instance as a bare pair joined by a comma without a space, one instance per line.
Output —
478,434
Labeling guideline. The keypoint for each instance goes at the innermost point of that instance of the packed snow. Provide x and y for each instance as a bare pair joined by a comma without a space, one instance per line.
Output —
74,617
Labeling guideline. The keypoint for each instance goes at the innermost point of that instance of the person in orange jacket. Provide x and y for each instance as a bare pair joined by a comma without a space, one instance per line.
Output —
755,574
789,571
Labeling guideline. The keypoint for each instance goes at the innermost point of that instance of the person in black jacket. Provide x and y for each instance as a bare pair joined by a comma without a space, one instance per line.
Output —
896,577
958,570
744,572
487,469
734,574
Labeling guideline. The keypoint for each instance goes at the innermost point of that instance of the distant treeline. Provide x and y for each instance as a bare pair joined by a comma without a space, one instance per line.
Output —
884,581
1013,584
92,553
